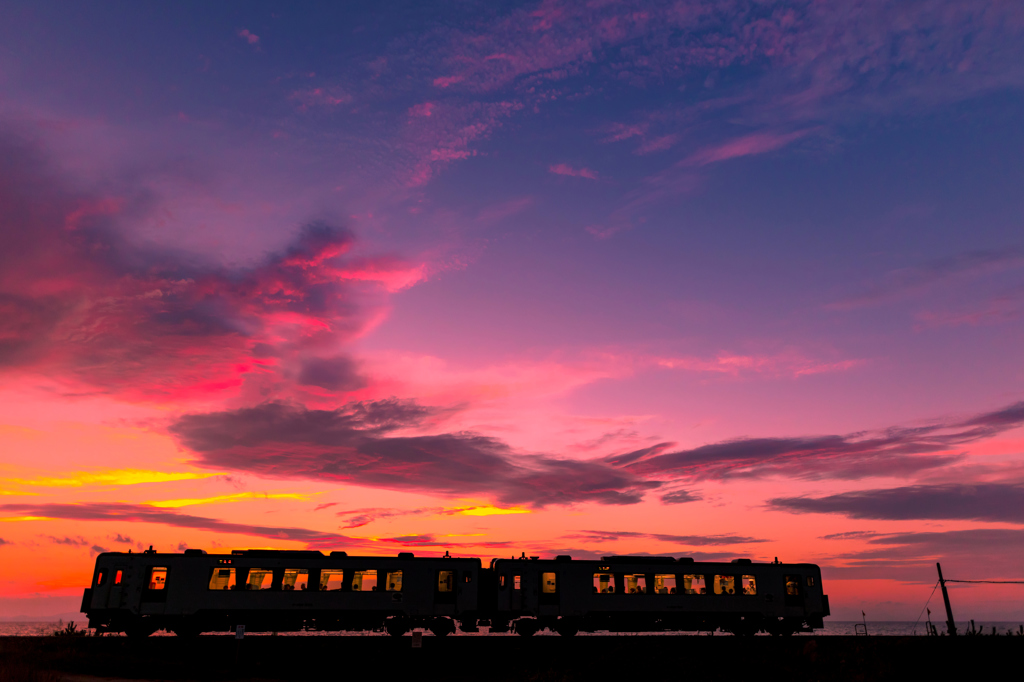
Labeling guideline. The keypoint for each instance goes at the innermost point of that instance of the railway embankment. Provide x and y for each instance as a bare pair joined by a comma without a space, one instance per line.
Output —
634,658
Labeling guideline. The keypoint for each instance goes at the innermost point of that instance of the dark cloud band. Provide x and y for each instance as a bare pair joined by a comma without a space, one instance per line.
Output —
981,502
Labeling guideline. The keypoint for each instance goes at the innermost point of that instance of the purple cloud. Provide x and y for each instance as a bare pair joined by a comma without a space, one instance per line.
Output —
897,451
354,444
979,502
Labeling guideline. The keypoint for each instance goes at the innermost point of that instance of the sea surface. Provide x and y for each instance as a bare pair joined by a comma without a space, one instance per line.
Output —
878,628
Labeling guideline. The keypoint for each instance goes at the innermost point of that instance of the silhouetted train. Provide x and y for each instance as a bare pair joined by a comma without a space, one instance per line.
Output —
280,591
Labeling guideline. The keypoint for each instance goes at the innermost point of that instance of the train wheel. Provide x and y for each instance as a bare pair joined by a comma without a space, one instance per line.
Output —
396,627
442,627
139,629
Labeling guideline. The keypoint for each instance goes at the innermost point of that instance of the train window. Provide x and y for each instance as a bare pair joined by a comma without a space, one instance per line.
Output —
222,579
664,584
295,579
446,581
100,577
501,580
793,585
364,581
157,578
749,585
394,581
117,577
634,583
604,583
694,584
331,579
725,584
548,583
467,576
810,581
259,579
517,582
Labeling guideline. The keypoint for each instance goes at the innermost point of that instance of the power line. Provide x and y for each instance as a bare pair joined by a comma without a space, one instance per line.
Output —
925,606
992,582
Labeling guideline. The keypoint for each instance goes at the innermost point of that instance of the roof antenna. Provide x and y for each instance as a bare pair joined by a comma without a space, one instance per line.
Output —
446,555
524,556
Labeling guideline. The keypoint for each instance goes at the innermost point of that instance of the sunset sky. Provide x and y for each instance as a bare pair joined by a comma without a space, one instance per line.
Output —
698,278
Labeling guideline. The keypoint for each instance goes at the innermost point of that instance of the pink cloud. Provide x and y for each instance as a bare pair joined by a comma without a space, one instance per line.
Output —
622,131
658,144
422,109
448,134
566,169
248,36
446,81
790,364
83,306
312,97
748,145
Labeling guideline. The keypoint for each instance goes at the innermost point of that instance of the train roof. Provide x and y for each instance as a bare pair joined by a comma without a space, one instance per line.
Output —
289,554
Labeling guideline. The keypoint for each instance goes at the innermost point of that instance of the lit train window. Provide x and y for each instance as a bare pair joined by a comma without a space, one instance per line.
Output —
157,578
517,582
446,581
222,579
604,583
810,581
793,585
364,581
725,584
548,583
694,584
100,577
394,581
664,584
331,579
501,580
749,585
259,579
117,577
634,583
295,579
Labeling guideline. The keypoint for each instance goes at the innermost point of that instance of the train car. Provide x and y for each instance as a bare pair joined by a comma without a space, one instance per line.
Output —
278,591
644,594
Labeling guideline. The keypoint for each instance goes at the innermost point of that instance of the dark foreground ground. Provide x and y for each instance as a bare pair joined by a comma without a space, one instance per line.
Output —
83,659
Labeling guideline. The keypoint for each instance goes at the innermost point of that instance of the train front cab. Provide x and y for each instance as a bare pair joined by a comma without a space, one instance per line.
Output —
638,594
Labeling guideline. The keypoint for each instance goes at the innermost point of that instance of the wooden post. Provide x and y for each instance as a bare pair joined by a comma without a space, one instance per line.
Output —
950,625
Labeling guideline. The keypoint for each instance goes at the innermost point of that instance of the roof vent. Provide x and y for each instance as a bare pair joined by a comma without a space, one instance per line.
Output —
741,561
339,554
685,560
563,557
405,555
194,552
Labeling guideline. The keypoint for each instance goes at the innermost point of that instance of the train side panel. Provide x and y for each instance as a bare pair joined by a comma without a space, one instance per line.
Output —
266,590
645,594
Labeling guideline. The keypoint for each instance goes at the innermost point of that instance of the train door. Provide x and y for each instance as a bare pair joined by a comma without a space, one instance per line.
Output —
516,601
549,594
794,590
445,591
117,587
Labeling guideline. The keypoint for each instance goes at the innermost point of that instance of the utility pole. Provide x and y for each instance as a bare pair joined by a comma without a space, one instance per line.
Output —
950,625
